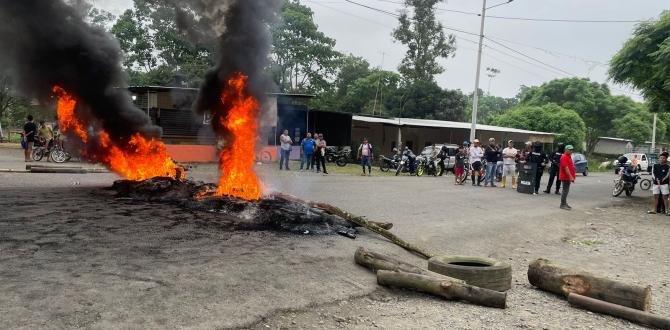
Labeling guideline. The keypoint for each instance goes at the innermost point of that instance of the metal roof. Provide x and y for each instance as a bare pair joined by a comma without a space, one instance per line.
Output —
168,88
444,124
614,139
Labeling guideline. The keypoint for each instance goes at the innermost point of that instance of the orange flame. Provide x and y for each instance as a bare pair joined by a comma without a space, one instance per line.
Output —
67,117
137,159
236,163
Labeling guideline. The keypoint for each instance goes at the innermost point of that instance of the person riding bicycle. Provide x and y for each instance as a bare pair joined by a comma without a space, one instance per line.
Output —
475,157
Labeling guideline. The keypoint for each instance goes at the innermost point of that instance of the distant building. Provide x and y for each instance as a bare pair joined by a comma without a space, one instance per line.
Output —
171,108
613,146
419,133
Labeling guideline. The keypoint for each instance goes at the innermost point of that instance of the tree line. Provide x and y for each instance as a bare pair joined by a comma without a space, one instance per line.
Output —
159,50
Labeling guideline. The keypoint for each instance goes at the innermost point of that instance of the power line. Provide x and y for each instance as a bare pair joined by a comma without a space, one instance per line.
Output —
530,57
348,13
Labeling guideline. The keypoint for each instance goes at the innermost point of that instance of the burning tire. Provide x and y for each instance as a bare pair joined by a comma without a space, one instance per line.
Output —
482,272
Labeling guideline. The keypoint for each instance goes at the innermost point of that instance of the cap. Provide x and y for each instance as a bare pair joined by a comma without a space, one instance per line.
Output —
475,141
510,141
528,143
569,147
492,140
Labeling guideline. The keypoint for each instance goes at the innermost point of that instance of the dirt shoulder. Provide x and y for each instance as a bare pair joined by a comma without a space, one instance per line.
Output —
617,241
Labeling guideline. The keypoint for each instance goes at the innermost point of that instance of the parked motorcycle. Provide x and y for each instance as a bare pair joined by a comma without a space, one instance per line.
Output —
331,154
343,157
428,165
389,163
405,165
628,179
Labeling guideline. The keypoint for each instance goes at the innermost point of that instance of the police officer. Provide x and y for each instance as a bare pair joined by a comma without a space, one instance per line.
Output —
539,158
555,160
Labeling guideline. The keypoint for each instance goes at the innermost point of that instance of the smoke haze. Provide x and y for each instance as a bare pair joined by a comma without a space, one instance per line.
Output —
45,43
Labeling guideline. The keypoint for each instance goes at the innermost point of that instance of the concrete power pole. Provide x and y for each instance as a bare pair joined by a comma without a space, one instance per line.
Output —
475,98
653,135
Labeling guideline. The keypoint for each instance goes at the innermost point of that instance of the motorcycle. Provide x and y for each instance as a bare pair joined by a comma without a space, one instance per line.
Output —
428,165
627,180
386,164
343,157
331,154
404,166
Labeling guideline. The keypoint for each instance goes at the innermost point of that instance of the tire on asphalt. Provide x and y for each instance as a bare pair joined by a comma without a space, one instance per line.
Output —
482,272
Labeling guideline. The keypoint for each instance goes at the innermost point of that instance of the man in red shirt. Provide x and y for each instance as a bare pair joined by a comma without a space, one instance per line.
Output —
566,175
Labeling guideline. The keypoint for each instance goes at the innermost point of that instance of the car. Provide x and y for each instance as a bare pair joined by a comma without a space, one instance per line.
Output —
644,161
452,150
581,164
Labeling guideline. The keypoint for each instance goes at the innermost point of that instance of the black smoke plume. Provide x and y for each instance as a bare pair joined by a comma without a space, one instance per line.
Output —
46,42
244,47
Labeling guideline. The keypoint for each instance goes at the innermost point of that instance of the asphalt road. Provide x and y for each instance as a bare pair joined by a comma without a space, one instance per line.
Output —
72,256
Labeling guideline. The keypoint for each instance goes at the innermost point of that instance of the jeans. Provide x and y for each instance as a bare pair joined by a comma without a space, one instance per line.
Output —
564,192
538,178
306,159
490,172
284,158
320,163
553,175
365,161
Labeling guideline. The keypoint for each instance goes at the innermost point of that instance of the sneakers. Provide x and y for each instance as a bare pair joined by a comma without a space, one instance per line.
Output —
557,192
566,207
546,191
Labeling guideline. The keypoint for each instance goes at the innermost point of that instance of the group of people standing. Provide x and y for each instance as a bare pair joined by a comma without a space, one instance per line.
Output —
561,171
312,152
42,133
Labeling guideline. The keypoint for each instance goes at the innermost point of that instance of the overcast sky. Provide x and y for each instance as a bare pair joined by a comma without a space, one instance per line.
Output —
581,49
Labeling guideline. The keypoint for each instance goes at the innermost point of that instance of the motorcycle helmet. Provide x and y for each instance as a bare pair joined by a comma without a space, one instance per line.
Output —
622,160
465,143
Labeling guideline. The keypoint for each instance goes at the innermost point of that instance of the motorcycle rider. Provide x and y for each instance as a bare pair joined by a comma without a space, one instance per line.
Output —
475,158
555,160
539,158
411,158
660,174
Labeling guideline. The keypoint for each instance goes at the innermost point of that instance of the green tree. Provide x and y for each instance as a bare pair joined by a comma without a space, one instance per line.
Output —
132,31
644,62
425,99
425,39
637,125
591,100
303,58
489,107
547,118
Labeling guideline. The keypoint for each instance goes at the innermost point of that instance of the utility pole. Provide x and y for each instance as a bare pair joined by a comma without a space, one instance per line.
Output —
653,135
475,99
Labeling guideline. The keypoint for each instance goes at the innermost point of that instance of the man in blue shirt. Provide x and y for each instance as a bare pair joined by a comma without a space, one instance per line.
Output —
307,152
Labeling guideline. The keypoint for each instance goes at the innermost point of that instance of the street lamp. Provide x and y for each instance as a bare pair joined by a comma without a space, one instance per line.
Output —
475,100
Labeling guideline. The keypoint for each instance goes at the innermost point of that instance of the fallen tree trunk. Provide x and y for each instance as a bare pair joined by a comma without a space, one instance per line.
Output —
441,287
623,312
376,261
361,221
563,281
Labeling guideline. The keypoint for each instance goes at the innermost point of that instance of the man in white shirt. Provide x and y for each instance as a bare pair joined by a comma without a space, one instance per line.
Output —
286,144
365,155
475,156
509,163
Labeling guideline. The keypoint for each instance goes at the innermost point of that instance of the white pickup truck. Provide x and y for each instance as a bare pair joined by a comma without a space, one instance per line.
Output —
643,161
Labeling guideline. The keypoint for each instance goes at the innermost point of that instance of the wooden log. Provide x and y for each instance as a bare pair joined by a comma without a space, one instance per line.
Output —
361,221
563,281
377,261
623,312
441,287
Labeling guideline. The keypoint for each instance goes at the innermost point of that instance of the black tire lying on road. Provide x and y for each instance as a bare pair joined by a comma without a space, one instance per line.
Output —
482,272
